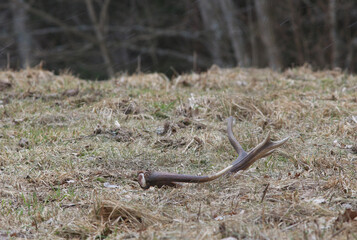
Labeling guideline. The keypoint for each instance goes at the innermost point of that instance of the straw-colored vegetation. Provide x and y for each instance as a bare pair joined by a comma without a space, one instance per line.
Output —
70,151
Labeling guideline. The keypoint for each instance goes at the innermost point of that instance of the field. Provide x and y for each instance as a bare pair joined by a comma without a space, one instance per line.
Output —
70,151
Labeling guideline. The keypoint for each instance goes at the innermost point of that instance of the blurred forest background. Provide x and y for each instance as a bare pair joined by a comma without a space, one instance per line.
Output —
97,38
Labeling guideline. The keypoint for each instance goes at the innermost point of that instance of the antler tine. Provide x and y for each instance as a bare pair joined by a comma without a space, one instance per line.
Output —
263,149
233,140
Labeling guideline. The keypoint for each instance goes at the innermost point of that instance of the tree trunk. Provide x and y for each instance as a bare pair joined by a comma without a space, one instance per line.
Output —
210,16
252,36
297,35
23,37
235,33
266,29
333,34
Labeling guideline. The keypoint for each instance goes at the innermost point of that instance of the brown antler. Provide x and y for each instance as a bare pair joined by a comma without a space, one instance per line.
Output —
147,179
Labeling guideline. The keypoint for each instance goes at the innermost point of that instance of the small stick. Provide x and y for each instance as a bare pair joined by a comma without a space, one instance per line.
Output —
338,232
188,145
264,192
199,213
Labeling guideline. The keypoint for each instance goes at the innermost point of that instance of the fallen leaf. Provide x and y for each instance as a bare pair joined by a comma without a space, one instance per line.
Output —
18,121
71,92
162,130
117,124
319,200
108,185
241,83
347,216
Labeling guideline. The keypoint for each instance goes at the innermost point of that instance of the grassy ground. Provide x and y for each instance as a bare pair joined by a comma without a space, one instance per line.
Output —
70,151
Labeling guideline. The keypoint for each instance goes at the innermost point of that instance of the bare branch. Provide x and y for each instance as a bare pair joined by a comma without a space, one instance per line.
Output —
51,19
103,13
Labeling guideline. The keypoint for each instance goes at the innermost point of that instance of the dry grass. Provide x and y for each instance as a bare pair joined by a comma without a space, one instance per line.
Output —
70,150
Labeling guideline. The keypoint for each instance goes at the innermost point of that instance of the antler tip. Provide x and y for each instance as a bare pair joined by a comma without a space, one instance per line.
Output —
282,141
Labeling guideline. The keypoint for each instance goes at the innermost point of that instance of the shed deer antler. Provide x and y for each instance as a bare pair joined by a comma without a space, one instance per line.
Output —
147,179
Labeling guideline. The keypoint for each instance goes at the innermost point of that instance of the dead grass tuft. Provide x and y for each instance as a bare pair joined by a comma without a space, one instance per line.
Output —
152,81
118,213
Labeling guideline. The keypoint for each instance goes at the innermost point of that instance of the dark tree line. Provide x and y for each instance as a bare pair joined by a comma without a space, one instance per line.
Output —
97,38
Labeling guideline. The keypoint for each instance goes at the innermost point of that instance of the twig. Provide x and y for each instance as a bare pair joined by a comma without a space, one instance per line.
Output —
338,232
199,213
265,192
188,145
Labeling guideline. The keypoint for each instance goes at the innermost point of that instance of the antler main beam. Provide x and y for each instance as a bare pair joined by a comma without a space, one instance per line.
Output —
245,159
